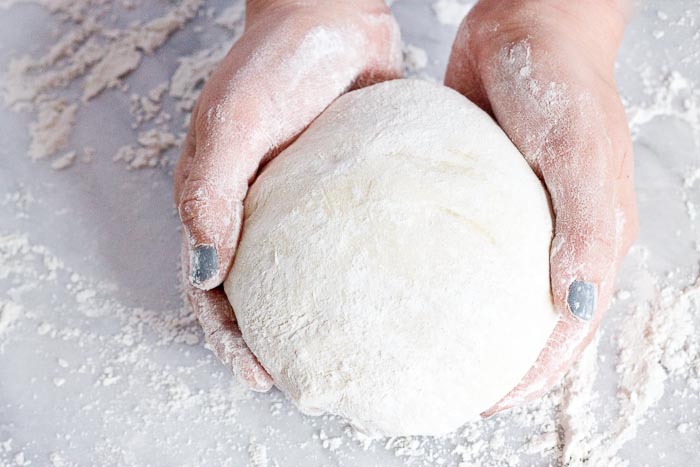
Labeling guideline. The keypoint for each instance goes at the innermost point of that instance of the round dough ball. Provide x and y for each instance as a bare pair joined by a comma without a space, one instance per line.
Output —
393,267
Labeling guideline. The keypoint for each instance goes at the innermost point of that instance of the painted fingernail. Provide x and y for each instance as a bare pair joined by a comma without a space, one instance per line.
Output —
204,264
581,299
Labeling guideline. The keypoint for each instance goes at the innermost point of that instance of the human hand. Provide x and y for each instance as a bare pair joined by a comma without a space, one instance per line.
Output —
293,59
544,70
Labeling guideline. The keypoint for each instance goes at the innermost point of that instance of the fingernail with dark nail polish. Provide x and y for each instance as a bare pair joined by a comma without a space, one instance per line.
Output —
581,299
204,264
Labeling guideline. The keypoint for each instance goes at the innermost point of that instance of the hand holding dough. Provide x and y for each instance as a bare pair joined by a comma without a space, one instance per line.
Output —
292,61
545,72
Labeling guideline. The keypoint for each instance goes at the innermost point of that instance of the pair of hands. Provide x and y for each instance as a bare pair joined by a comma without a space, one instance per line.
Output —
542,68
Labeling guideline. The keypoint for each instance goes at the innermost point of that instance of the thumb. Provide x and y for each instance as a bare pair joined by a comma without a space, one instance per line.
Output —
211,181
584,249
210,205
211,221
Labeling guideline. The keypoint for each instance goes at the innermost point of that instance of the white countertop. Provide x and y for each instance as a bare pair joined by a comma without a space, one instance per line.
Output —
100,364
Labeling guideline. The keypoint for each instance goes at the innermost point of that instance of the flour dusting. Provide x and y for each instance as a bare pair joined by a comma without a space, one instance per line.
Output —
97,52
152,144
415,59
452,12
91,376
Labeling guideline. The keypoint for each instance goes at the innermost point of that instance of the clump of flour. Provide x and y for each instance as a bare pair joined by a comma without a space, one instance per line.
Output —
415,59
452,12
151,146
96,52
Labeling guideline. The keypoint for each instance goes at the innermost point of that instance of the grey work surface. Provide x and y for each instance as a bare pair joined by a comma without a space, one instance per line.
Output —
165,401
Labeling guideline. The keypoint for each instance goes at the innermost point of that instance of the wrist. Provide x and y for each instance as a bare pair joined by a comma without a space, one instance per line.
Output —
256,7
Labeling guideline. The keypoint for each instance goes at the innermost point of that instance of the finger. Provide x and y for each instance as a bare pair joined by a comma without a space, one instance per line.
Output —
588,170
224,337
223,334
264,95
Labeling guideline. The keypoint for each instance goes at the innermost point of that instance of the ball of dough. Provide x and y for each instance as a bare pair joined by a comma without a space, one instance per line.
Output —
393,267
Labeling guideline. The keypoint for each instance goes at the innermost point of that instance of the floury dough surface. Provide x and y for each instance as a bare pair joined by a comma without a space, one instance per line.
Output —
394,262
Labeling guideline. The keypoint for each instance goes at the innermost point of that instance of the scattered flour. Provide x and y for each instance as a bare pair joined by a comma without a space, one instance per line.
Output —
414,60
258,455
125,51
691,194
657,344
108,357
19,202
95,50
452,12
51,131
654,335
192,72
673,95
232,18
152,144
146,108
9,312
64,161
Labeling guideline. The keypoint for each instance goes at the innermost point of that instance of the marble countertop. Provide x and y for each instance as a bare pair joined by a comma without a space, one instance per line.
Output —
100,364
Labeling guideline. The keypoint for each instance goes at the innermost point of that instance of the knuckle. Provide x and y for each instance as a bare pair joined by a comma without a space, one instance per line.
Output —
585,253
590,244
194,201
